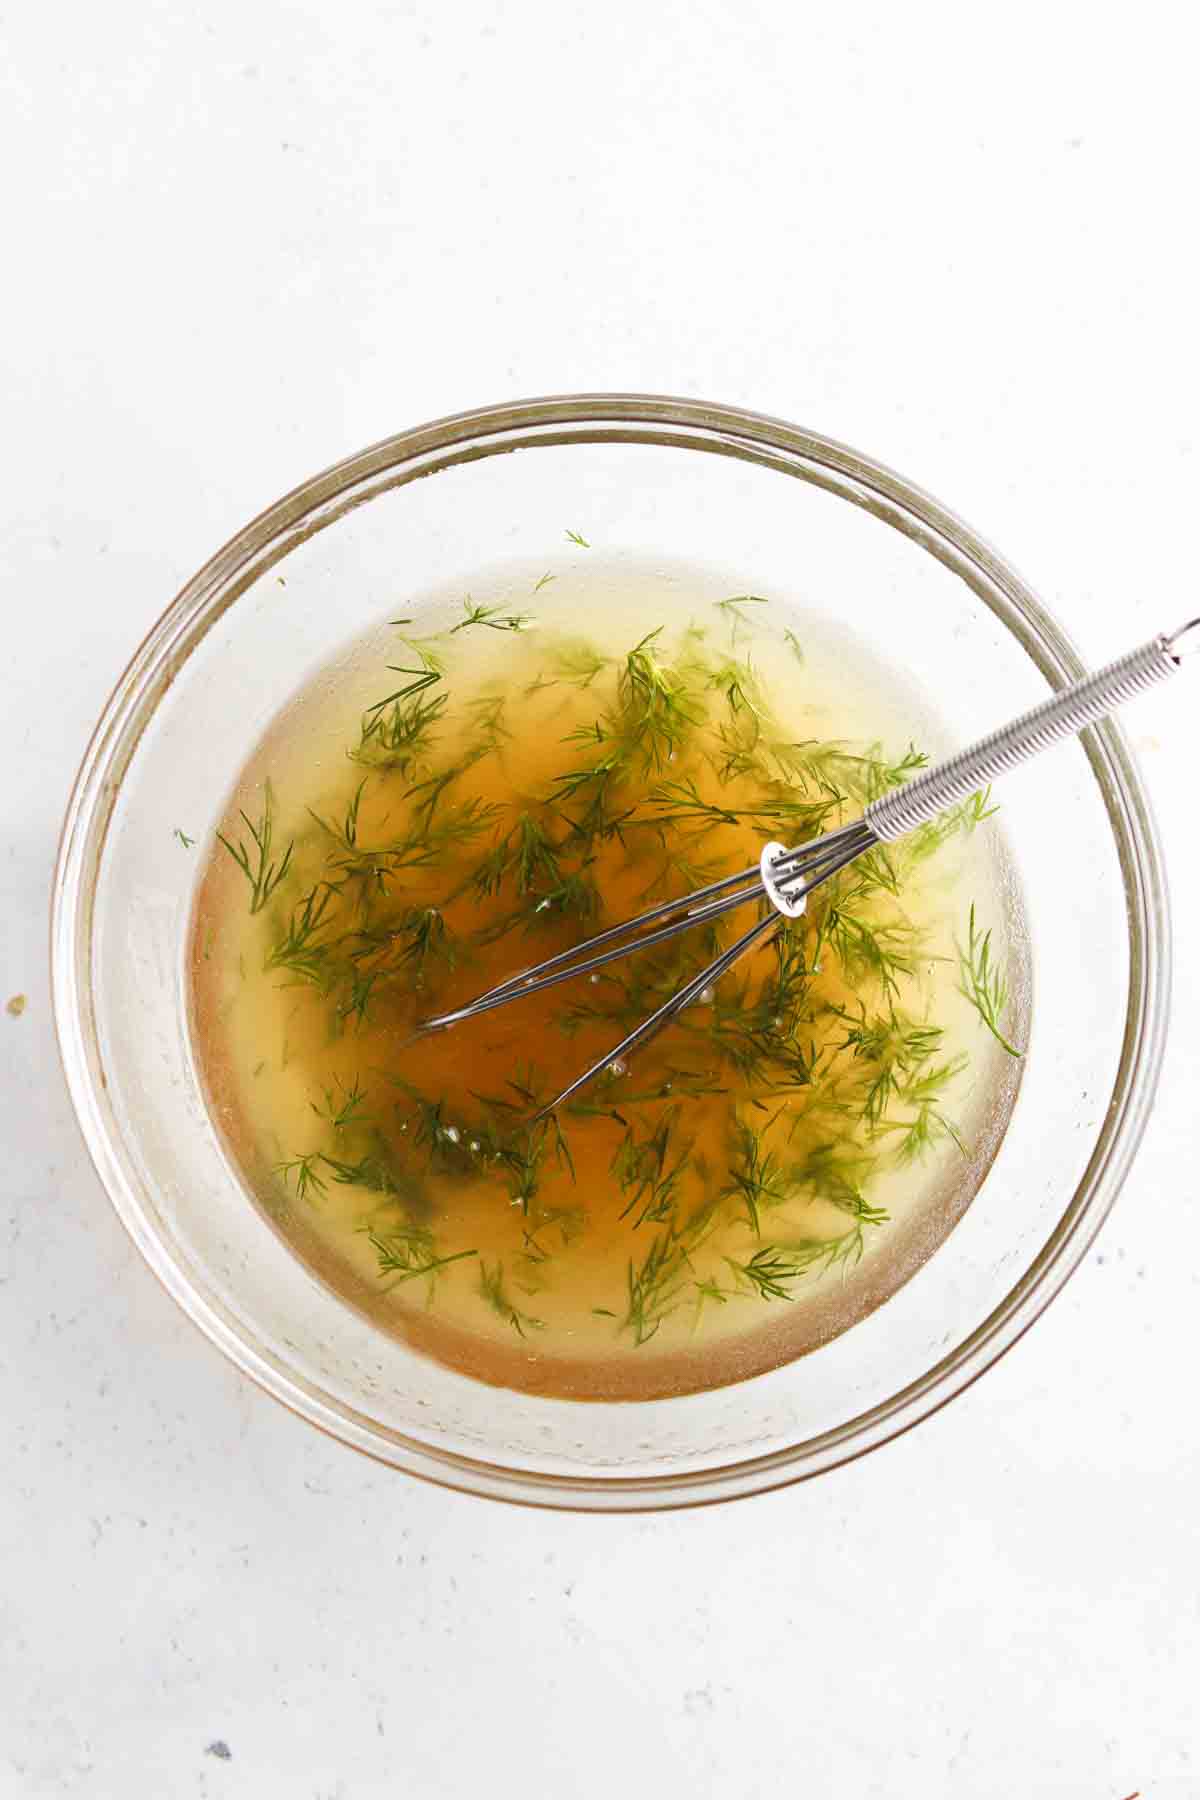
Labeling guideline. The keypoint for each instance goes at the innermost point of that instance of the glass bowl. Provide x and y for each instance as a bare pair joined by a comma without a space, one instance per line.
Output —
785,512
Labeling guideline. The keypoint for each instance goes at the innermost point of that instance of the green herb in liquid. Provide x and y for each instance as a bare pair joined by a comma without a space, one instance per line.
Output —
488,818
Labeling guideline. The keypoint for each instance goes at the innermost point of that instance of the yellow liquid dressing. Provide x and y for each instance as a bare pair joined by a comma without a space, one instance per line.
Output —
492,781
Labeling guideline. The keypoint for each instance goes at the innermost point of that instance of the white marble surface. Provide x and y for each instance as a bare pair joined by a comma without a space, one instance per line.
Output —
243,240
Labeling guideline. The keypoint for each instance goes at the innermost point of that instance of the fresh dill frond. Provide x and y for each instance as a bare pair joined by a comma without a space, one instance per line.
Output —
828,769
431,840
376,1170
429,793
927,1124
302,950
928,1084
709,1290
681,803
446,1138
883,775
427,675
645,1171
420,937
737,751
530,854
183,838
487,712
304,1173
976,808
880,950
877,871
357,994
343,1105
740,685
889,1037
956,821
352,863
397,732
836,1172
575,537
920,1133
578,662
655,1286
983,982
491,617
732,608
407,1251
757,1179
262,870
770,1272
844,774
432,661
613,1094
892,1046
574,661
658,713
567,1222
523,1162
492,1289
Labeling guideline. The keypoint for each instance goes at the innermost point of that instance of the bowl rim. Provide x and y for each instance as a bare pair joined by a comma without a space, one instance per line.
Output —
683,423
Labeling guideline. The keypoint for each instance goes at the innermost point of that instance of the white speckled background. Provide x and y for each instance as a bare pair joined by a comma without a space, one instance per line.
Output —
243,240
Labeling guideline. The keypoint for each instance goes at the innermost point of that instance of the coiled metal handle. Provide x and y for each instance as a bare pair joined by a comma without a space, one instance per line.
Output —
1081,704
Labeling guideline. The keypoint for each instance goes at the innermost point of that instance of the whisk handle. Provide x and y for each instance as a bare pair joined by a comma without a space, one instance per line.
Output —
1060,716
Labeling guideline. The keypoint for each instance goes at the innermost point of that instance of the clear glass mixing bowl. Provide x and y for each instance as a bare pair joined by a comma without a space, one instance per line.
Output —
790,513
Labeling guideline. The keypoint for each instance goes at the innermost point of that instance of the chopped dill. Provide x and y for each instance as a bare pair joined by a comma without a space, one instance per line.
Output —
184,839
744,1151
575,537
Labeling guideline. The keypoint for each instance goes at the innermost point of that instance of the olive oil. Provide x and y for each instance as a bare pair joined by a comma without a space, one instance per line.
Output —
453,804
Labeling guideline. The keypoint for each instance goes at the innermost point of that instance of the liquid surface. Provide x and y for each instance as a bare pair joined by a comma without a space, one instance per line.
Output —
458,802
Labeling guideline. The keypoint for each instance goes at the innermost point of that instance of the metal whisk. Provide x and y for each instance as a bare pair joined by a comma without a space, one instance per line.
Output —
786,877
